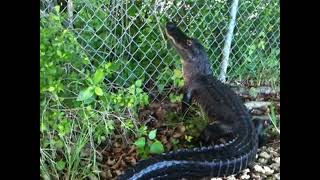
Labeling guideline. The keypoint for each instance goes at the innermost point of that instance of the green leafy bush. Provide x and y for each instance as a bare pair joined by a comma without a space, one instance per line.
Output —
78,110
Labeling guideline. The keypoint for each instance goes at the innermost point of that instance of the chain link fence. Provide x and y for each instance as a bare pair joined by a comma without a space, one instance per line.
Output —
130,34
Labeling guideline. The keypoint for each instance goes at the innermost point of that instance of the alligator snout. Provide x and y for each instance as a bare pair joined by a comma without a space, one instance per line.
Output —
171,26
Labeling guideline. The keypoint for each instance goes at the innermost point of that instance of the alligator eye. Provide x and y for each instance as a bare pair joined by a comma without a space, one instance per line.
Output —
189,42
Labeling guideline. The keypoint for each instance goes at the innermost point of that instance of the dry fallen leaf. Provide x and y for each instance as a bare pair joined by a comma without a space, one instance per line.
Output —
176,135
110,162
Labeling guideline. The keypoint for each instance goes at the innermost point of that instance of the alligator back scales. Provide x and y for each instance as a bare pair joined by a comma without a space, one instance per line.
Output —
220,103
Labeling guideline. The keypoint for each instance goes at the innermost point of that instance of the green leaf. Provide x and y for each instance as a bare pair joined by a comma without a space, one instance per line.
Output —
175,98
51,89
43,127
57,8
85,94
111,67
177,73
59,53
156,148
132,89
152,134
181,83
86,61
143,130
145,99
98,76
138,83
58,144
60,165
98,91
139,90
132,11
90,100
108,65
140,143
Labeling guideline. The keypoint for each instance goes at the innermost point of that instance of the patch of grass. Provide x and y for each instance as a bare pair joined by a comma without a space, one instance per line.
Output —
274,120
258,69
195,120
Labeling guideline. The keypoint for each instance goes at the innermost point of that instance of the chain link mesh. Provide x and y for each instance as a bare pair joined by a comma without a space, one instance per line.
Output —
130,33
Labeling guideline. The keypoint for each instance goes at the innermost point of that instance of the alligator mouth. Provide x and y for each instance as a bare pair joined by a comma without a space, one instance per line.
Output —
177,37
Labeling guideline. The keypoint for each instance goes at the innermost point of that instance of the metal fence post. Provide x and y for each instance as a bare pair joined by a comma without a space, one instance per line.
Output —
227,44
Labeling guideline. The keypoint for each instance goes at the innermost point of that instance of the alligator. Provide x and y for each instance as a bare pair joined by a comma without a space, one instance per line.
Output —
220,103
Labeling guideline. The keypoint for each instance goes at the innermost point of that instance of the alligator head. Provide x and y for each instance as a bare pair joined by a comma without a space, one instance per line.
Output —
194,57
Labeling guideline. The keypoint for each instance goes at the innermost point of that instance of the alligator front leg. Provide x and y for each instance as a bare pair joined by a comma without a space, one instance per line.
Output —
187,98
213,132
